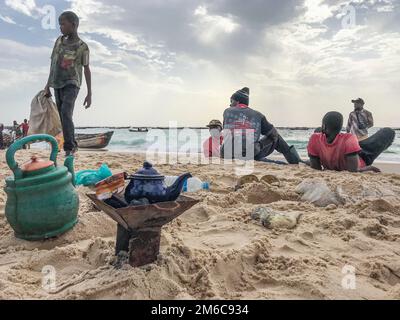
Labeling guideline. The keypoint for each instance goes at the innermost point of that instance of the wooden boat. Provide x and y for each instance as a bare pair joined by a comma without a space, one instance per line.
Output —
94,141
138,129
7,140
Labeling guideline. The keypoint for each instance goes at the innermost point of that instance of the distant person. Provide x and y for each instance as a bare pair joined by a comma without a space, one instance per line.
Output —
16,128
212,145
242,122
360,120
70,55
329,149
1,136
25,128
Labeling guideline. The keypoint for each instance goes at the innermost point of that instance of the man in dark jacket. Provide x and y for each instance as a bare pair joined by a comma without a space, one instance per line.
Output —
248,134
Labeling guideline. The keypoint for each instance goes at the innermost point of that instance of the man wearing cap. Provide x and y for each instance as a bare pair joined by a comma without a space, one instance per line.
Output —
212,145
248,131
360,120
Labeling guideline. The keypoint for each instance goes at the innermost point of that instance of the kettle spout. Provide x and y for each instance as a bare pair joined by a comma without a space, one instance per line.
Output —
174,191
69,163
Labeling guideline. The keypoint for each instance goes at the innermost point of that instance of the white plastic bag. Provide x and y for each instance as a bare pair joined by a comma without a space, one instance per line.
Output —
317,192
276,220
44,118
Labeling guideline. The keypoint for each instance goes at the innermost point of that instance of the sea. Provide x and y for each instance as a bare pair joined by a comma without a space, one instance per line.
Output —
184,140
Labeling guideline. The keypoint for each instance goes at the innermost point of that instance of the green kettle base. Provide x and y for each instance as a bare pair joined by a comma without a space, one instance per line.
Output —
49,235
42,202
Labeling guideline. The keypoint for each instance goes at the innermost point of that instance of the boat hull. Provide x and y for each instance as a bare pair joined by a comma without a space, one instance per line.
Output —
94,141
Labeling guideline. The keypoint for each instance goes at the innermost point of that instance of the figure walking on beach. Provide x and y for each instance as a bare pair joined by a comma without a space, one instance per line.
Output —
70,55
25,129
1,136
360,120
329,149
251,127
16,130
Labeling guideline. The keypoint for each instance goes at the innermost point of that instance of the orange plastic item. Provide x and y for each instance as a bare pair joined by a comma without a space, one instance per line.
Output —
60,140
36,164
112,185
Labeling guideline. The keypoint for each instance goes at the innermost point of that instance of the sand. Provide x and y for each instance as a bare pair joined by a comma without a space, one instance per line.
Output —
215,250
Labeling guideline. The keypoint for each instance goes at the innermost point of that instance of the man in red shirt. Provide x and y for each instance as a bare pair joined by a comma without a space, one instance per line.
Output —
212,145
333,150
25,128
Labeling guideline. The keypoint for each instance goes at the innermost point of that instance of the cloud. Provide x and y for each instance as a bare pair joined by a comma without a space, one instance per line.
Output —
26,7
316,11
102,19
182,59
210,28
7,19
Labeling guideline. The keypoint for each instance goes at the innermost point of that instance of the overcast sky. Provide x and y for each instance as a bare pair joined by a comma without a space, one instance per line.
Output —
155,61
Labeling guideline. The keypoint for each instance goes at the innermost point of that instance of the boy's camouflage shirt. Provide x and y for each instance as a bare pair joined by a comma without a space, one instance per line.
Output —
67,61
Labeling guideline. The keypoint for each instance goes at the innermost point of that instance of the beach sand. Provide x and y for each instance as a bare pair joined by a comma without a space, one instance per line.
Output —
215,250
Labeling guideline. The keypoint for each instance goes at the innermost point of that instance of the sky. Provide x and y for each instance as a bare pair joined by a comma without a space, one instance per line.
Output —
156,61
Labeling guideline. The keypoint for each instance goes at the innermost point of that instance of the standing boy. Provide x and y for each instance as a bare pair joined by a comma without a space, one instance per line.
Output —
70,55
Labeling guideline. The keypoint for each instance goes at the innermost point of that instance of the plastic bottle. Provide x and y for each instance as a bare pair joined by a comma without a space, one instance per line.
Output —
190,185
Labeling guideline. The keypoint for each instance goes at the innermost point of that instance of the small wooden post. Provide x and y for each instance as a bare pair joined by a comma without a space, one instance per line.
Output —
144,246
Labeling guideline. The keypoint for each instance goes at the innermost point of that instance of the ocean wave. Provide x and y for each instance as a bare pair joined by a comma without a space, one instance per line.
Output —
137,142
131,143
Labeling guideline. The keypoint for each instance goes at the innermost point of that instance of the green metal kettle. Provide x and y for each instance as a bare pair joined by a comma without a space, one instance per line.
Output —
42,201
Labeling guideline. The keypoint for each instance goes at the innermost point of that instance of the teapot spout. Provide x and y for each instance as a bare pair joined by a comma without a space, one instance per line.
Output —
174,191
69,163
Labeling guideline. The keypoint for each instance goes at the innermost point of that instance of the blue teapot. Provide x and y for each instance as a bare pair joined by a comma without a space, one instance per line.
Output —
147,186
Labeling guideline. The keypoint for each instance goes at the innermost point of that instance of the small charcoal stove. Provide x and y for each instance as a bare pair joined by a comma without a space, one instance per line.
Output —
139,227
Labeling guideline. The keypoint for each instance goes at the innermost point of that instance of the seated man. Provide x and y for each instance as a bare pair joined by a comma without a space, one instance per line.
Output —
251,127
212,145
333,150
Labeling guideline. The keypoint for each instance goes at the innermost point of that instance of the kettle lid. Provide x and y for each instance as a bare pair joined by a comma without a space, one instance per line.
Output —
36,164
148,173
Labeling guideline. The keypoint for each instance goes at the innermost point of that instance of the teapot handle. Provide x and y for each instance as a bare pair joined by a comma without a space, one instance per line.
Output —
18,145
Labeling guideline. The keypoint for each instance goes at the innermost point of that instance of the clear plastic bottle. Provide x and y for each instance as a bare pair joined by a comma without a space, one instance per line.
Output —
190,185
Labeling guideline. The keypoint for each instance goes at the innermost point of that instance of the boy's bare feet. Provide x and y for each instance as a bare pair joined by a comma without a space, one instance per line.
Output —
71,153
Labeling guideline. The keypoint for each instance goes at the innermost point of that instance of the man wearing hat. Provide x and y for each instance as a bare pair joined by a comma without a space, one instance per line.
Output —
360,120
257,135
211,146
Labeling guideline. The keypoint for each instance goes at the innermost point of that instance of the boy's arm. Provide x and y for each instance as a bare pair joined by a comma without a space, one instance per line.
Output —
88,76
47,91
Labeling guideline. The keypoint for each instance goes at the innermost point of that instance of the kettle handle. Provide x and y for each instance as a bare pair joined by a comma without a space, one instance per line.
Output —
18,145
